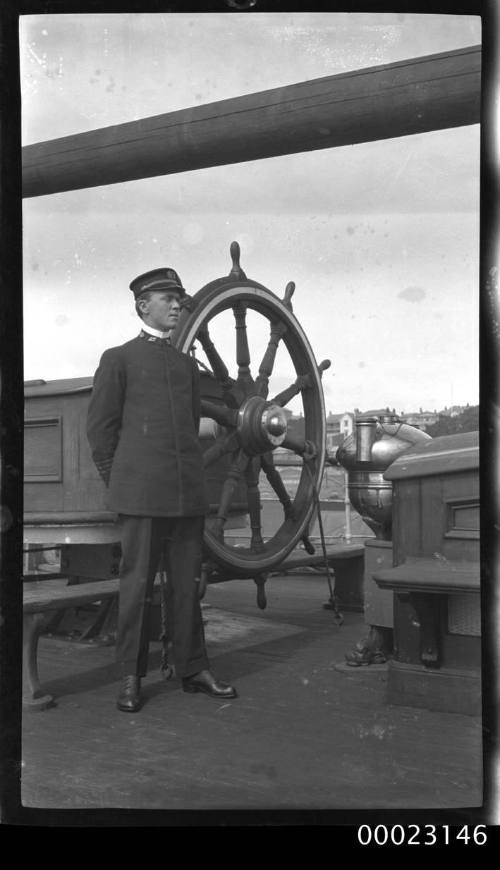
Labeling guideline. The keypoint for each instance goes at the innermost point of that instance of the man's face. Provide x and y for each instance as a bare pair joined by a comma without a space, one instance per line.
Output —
162,309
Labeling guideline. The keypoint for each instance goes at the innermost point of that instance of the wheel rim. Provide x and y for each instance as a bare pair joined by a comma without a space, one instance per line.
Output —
254,420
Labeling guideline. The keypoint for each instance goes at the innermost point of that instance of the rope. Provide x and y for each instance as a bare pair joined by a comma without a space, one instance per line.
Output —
386,431
337,615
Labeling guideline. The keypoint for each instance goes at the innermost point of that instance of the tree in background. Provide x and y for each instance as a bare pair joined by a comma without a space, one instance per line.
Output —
466,421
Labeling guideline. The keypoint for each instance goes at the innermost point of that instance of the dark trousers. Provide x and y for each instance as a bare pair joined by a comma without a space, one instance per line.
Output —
144,541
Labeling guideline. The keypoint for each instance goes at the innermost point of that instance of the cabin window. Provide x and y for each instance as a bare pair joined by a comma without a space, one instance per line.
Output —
43,450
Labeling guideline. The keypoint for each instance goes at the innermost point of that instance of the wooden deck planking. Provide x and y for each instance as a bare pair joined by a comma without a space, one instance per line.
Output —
301,735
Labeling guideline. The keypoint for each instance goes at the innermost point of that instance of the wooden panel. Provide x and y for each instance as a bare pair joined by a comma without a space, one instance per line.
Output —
43,449
406,523
462,538
39,494
412,96
455,549
71,452
84,489
378,602
421,516
462,485
463,518
448,691
461,500
46,497
433,515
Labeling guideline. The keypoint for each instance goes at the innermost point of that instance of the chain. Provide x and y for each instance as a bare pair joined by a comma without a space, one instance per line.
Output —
166,669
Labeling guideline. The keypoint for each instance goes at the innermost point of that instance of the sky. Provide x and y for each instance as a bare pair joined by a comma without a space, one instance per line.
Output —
380,238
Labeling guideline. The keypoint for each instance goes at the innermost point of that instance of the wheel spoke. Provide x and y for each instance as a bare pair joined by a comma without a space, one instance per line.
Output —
238,466
222,445
254,505
242,351
220,413
303,448
268,360
278,329
275,480
302,383
219,367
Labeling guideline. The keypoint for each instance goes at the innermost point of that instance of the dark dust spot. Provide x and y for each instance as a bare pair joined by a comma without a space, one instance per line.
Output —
412,294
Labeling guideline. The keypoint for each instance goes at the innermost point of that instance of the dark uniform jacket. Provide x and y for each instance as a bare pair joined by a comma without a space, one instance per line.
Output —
142,428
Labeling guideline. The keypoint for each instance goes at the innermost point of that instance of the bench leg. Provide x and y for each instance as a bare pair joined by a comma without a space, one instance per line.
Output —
103,614
34,697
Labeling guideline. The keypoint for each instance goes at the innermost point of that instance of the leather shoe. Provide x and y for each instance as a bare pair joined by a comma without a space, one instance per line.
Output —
204,681
129,699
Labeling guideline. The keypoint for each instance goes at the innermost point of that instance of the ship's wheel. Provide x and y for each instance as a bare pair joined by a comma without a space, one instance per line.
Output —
250,424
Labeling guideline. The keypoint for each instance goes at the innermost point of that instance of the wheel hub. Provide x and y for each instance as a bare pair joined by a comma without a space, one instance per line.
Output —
261,427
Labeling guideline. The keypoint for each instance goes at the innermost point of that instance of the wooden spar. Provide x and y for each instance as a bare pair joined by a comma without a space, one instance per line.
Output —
412,96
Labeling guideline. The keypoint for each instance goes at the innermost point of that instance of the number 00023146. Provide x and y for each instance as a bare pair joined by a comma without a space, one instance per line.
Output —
421,835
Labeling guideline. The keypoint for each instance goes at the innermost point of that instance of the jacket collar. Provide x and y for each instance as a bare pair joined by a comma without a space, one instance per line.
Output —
156,333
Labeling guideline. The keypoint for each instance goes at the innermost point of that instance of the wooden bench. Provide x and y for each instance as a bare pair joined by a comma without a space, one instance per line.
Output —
39,598
431,576
437,634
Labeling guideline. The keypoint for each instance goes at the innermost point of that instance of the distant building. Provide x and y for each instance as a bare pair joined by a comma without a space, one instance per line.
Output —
338,427
454,411
377,412
333,423
421,419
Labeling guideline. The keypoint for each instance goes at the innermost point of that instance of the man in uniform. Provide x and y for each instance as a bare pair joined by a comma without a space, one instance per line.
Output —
142,428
